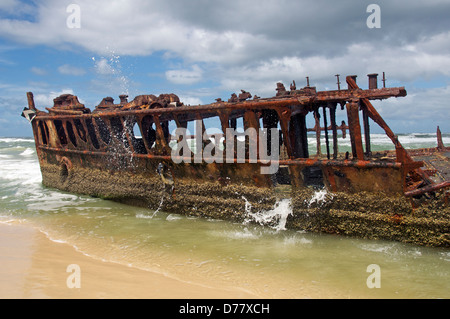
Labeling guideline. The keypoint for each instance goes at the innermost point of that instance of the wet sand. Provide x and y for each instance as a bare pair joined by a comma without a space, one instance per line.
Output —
32,266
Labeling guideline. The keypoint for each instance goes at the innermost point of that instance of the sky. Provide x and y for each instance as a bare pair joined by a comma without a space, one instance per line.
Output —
203,50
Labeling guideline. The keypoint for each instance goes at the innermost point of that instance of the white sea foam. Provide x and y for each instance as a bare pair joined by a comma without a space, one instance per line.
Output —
27,152
20,172
377,247
15,139
48,200
144,216
172,217
382,141
5,221
236,234
295,240
59,241
445,256
244,234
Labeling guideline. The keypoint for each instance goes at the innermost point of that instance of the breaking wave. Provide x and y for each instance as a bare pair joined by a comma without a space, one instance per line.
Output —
381,142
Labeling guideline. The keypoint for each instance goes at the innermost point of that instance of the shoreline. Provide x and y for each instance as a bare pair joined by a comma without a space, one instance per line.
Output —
32,266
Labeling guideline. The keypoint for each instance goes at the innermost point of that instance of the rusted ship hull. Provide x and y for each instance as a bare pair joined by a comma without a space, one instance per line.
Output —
370,195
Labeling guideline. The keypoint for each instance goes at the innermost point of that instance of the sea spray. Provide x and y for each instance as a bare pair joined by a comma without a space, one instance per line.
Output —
164,182
157,210
275,218
319,197
150,216
109,70
248,206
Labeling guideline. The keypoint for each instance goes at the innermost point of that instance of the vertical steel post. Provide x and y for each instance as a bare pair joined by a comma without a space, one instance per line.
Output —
355,129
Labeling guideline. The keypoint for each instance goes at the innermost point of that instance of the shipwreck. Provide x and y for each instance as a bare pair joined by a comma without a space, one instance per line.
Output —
125,152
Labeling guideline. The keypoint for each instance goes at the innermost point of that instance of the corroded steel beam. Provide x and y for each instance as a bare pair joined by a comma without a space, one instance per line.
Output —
427,189
30,100
355,129
357,93
297,162
289,101
339,163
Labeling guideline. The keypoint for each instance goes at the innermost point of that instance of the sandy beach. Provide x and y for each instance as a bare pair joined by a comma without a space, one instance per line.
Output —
32,266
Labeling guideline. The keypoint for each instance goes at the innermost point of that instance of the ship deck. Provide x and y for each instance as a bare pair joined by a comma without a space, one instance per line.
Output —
436,163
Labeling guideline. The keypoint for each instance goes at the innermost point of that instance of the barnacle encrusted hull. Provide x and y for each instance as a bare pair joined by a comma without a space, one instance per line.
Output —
364,214
373,216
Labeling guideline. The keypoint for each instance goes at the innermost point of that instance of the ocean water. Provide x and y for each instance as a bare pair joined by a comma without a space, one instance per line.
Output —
258,255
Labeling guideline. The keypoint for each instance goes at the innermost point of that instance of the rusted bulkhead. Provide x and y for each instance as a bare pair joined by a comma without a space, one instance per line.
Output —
124,152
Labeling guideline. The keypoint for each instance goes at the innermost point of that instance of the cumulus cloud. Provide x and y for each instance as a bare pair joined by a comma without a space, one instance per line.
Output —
251,44
46,100
402,65
15,7
235,33
191,76
38,71
71,70
190,100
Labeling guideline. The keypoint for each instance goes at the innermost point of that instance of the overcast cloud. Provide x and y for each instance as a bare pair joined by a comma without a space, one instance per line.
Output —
231,45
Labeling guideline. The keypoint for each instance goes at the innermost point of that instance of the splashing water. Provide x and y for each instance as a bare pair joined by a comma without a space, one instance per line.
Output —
320,197
161,203
275,218
109,67
158,209
248,206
